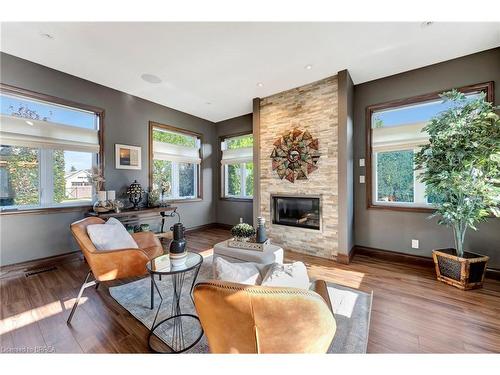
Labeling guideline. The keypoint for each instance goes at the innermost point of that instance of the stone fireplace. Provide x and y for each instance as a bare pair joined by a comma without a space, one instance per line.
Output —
301,216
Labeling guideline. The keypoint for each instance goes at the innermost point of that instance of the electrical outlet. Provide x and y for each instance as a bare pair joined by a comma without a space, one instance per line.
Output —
361,179
361,162
414,244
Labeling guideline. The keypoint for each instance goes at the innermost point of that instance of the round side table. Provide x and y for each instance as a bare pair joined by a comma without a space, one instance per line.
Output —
161,266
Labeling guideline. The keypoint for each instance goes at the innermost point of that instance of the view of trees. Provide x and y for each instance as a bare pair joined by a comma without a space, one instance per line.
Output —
162,169
174,138
21,169
234,171
186,180
395,176
162,172
249,182
59,180
20,175
239,142
233,179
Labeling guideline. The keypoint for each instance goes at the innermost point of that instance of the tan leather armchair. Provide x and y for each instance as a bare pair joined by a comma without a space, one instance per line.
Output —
240,318
113,264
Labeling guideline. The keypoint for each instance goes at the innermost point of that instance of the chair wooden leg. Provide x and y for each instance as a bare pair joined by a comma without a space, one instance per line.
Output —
85,285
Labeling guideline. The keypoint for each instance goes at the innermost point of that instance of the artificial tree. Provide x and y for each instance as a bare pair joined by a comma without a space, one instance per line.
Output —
461,163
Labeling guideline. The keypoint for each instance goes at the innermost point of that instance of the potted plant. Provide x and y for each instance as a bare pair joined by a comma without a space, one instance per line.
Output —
242,232
461,170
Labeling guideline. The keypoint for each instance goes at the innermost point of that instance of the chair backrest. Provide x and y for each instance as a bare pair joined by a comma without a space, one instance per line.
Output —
79,230
240,318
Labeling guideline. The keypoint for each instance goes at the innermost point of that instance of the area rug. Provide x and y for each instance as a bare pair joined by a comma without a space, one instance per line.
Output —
351,307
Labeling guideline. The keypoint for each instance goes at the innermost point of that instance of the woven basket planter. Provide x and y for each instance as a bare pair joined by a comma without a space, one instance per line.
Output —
464,273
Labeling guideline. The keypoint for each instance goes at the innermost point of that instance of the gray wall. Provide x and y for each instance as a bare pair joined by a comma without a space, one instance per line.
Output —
27,236
393,230
345,162
230,211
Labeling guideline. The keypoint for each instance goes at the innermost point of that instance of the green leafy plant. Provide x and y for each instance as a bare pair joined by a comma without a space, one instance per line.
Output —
242,230
461,163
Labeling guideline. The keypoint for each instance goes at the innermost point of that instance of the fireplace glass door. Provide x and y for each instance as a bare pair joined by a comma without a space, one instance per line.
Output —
301,212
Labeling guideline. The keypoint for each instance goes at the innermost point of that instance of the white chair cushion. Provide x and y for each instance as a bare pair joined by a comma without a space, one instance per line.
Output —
111,235
292,275
242,273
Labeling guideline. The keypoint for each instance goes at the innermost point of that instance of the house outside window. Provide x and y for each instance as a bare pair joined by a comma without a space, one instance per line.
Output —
43,146
237,167
396,134
175,162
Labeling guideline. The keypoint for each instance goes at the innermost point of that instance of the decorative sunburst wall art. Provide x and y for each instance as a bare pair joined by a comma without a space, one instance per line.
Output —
295,155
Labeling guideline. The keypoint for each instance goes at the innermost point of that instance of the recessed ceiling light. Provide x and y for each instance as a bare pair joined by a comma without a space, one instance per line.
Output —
46,36
151,78
208,103
308,67
260,84
30,123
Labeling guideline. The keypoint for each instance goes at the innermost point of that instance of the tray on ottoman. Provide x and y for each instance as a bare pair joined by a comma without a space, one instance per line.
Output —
271,253
248,245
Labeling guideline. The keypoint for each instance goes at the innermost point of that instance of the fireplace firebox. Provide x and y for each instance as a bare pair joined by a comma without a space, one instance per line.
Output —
296,211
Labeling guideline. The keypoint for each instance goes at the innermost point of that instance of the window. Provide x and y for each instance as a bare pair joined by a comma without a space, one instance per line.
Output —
47,151
175,162
237,167
395,134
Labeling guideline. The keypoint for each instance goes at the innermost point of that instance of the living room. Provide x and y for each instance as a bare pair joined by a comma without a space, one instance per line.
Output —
250,187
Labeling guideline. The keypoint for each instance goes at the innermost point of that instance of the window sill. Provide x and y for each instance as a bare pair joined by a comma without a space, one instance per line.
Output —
45,210
234,199
401,208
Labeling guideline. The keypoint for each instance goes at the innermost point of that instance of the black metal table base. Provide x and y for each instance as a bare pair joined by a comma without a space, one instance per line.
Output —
178,344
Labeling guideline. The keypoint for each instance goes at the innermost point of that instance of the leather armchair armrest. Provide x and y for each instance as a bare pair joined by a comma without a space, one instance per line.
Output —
116,264
146,239
321,288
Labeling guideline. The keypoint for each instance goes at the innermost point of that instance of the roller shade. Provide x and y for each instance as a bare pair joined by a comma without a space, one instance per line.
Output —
397,137
177,153
17,131
238,155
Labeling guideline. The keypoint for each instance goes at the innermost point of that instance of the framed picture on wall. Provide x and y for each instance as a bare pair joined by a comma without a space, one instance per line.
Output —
127,157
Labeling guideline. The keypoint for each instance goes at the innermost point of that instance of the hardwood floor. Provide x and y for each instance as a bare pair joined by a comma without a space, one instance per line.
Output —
412,312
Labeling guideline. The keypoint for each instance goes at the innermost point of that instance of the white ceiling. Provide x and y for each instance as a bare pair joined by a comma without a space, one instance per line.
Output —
221,63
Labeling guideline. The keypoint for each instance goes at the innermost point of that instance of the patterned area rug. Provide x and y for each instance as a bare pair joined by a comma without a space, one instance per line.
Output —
352,310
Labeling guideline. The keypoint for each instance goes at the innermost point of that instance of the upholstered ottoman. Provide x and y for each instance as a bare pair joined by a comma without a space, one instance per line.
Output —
272,254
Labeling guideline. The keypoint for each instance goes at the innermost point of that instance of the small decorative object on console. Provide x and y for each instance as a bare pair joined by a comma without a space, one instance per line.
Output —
102,204
145,228
134,193
154,198
118,205
178,251
242,232
95,177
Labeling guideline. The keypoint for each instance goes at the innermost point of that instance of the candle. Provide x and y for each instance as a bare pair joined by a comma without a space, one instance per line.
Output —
101,196
111,195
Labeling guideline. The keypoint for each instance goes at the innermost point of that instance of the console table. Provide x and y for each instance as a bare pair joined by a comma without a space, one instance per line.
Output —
132,217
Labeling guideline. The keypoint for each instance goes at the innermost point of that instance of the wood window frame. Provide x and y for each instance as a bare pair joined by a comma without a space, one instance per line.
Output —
99,112
220,175
199,186
486,87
